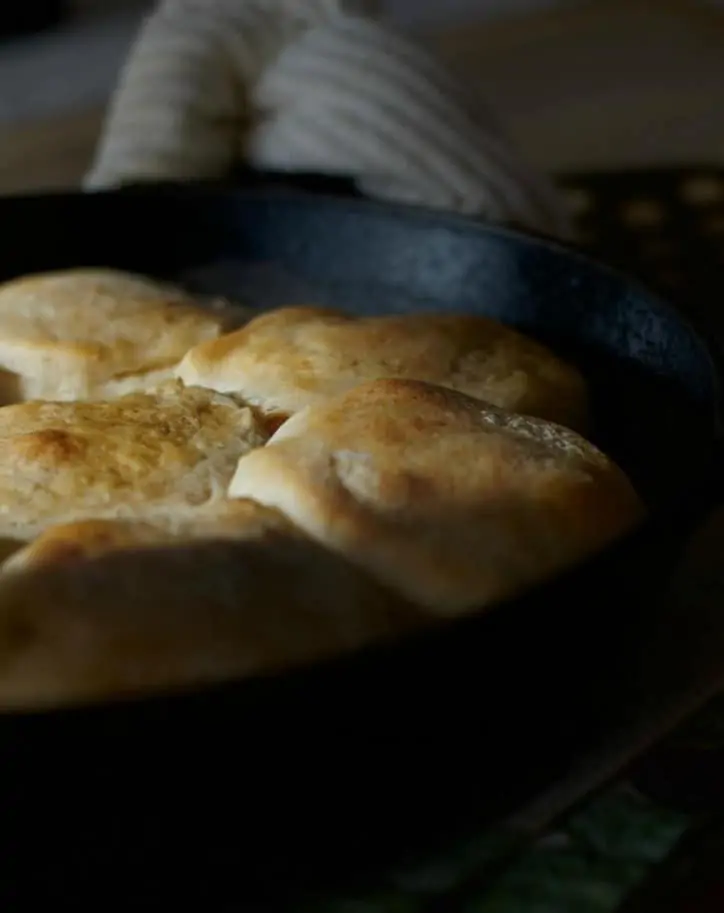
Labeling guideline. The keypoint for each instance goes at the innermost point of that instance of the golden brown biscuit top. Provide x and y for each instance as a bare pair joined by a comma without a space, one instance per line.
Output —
287,359
83,539
129,623
80,328
65,461
453,502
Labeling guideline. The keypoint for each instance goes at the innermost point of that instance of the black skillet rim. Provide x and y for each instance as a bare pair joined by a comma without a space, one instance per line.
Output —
309,189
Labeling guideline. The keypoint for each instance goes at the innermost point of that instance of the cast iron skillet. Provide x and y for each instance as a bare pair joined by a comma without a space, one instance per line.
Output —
293,782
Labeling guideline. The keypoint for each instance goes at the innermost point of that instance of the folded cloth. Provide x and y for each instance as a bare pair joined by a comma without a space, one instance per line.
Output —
311,85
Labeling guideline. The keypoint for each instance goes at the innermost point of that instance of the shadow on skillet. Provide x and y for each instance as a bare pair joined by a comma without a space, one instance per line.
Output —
318,777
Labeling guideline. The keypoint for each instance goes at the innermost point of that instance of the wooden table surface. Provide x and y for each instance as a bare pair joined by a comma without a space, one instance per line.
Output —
52,153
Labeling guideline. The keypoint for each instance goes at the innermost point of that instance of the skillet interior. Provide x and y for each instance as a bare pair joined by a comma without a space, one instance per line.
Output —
343,767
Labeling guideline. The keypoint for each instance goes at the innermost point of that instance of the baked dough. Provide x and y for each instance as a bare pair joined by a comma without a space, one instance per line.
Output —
97,332
287,359
454,503
134,622
139,456
220,519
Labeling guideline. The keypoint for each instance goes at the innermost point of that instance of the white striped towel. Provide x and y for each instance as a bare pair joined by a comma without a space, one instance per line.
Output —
311,85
